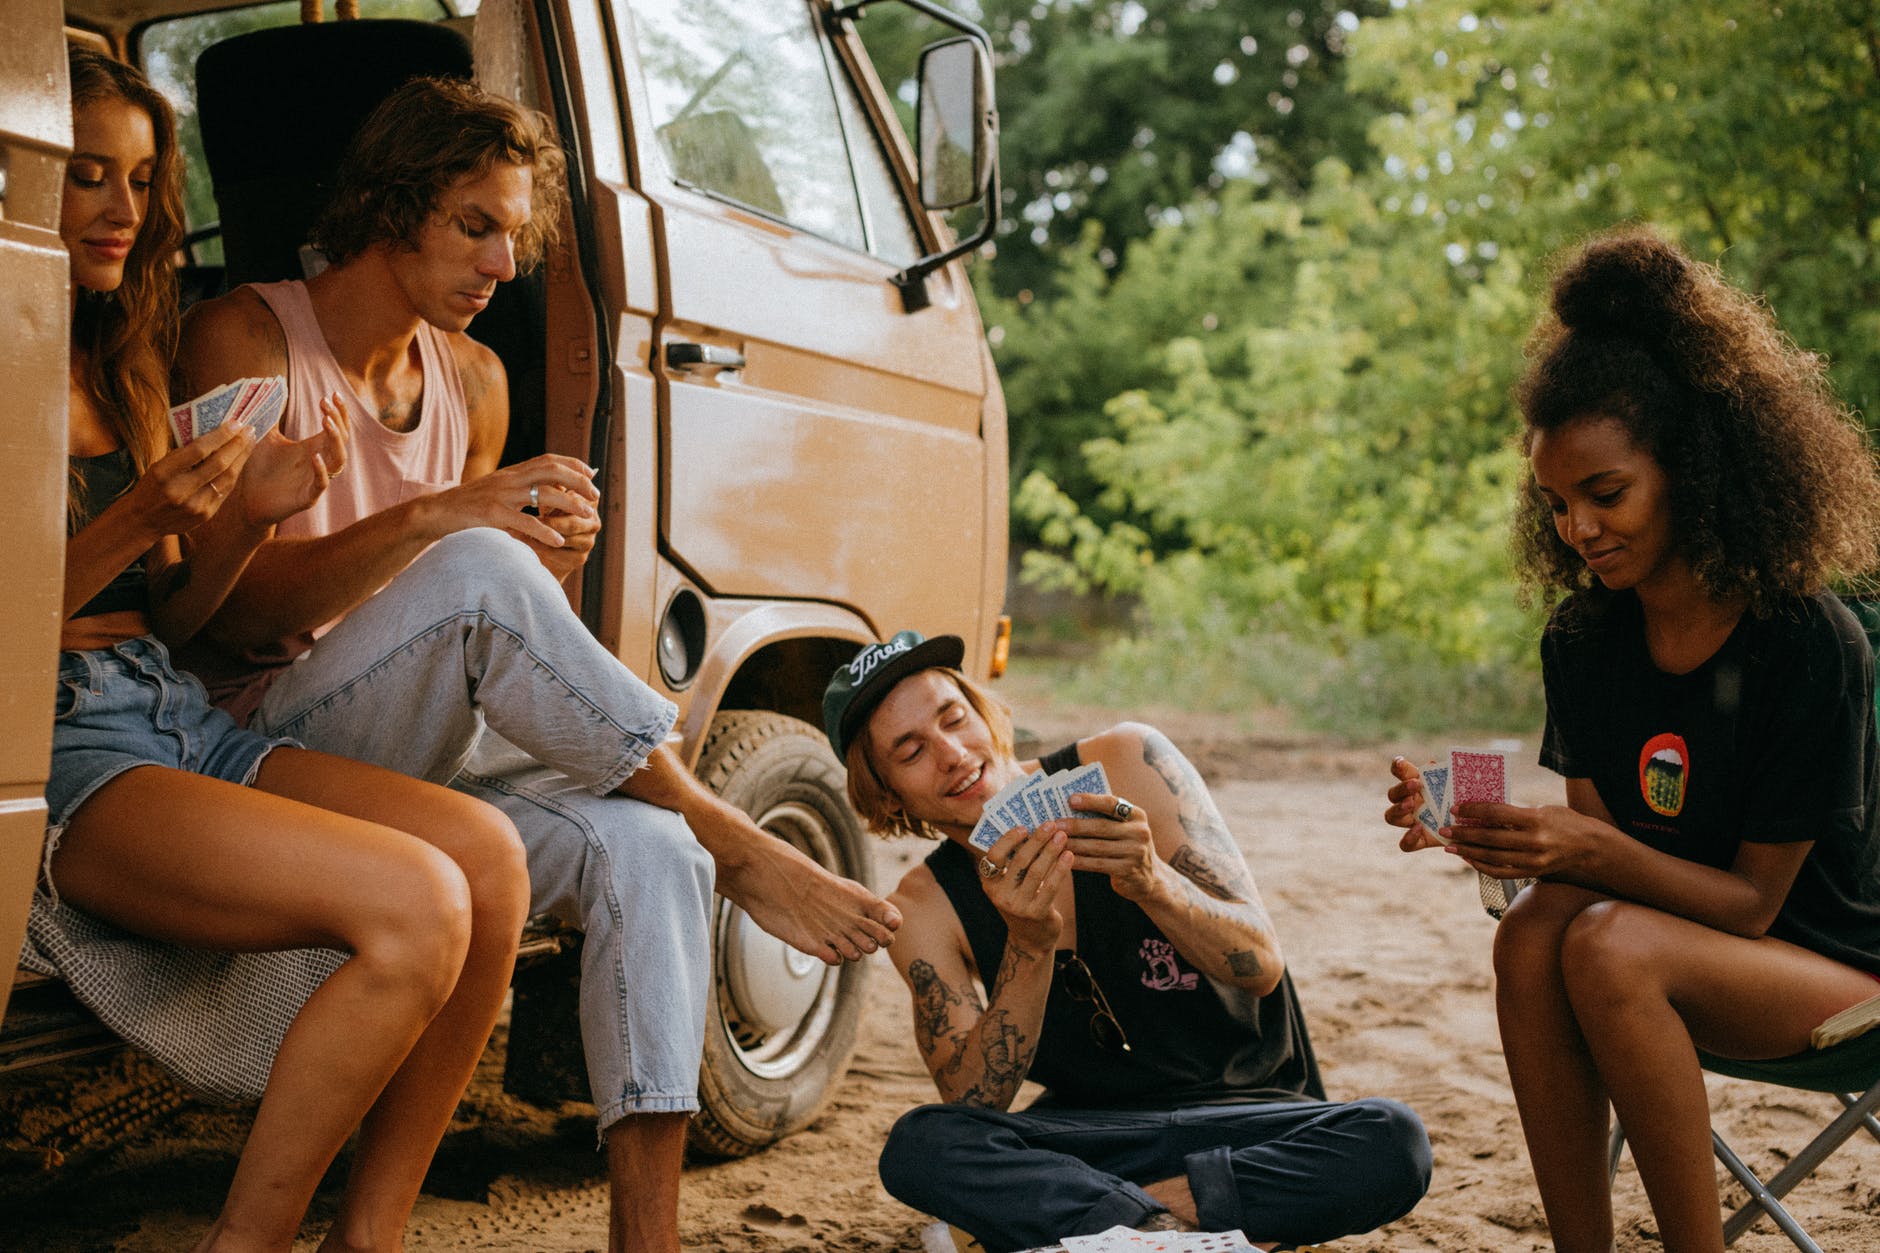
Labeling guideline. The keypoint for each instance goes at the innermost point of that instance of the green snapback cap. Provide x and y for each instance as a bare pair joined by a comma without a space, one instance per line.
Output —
856,688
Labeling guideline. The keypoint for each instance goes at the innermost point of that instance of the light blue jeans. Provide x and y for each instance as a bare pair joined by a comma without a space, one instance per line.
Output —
470,669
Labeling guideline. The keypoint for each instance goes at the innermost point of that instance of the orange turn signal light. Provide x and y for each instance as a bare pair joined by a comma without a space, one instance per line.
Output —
1001,647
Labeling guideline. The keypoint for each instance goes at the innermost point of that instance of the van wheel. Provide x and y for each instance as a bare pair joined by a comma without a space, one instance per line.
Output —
782,1025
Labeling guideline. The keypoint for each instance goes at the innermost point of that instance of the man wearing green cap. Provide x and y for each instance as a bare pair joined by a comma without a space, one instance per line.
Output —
1129,966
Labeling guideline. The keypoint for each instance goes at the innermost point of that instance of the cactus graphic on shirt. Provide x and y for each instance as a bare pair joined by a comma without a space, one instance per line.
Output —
1664,770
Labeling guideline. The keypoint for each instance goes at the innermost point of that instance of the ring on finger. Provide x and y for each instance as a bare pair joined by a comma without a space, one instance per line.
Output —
535,496
990,869
1123,810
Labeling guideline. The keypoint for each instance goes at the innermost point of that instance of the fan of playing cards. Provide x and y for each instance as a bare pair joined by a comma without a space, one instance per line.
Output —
1037,797
1472,775
256,402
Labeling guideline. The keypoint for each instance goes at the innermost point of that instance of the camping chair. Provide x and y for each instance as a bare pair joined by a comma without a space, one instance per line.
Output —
1850,1070
1843,1070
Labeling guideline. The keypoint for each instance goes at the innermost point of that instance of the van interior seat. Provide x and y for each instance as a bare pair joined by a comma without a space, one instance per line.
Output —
277,108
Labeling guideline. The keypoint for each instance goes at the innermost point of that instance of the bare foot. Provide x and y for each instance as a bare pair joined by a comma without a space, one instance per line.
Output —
808,908
780,887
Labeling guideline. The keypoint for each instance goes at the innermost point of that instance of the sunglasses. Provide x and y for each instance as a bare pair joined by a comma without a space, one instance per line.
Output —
1082,986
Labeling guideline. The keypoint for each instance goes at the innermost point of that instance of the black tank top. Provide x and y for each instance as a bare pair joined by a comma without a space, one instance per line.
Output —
104,479
1189,1045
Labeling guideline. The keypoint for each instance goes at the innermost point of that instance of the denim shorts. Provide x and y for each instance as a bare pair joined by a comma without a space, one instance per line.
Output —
127,706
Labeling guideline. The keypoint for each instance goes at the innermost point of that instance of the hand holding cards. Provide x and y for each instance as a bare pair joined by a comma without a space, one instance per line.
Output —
258,403
1470,775
1034,798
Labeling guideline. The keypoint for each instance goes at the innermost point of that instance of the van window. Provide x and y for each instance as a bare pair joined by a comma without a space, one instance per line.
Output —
743,97
168,52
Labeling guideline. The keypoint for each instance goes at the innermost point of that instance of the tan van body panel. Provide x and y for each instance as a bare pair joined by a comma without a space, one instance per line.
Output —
837,473
35,309
852,472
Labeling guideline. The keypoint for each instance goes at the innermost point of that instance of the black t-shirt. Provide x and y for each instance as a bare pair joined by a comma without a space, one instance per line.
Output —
1191,1042
1771,740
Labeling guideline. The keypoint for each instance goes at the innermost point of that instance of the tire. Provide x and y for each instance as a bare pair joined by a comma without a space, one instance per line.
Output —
782,1026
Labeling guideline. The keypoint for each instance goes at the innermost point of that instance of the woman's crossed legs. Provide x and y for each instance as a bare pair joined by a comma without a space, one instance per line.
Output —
1604,1002
426,888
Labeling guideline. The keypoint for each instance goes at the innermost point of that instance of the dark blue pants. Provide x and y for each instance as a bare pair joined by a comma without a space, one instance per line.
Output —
1295,1172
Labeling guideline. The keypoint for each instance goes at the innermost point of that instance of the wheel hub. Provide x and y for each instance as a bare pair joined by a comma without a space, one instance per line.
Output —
772,986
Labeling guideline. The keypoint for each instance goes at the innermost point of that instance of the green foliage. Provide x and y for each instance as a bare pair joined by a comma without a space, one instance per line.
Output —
1117,113
1290,404
1336,450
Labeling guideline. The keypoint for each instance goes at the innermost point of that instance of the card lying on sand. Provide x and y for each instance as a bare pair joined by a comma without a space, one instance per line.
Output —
1037,797
1128,1240
257,402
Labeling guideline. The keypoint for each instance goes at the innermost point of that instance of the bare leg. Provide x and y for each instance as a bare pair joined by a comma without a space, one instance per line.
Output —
784,891
403,1128
180,857
177,856
1557,1089
1644,985
645,1156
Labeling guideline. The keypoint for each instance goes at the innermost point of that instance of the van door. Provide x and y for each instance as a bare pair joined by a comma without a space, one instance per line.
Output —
819,442
35,137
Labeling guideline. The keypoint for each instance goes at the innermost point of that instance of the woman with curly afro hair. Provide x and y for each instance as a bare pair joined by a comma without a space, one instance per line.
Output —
1713,881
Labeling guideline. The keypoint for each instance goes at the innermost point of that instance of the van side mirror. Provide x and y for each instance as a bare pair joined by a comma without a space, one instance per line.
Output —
958,134
956,123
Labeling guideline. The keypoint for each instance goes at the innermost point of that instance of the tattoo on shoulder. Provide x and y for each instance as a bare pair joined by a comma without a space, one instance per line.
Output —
1210,845
1245,964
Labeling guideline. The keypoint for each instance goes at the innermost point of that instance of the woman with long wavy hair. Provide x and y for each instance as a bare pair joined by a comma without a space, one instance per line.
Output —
268,922
1713,880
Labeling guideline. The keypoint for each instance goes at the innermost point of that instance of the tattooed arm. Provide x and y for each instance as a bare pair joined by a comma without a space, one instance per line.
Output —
977,1054
1176,859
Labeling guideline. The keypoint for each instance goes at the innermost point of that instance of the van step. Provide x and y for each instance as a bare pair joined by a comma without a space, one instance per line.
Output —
45,1023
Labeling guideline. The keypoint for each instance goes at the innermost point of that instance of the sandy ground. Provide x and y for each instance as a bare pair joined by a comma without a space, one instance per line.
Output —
1390,954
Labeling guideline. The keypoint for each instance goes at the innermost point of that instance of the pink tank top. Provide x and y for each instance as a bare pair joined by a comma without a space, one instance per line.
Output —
383,468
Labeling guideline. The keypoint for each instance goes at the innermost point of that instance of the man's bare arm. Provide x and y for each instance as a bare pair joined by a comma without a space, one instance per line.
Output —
1204,898
977,1054
486,396
294,585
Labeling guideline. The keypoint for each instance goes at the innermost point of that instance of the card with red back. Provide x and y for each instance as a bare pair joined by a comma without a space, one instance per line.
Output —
1475,776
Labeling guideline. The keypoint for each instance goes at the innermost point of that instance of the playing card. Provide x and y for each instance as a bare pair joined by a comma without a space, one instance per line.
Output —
1049,797
258,402
995,818
261,408
1126,1240
211,409
1087,780
1435,797
182,424
985,834
1026,800
1475,775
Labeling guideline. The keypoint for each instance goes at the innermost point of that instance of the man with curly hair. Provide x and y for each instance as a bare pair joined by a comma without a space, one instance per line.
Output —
416,618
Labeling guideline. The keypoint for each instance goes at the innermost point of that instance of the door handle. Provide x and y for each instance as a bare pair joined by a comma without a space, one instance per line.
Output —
699,358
